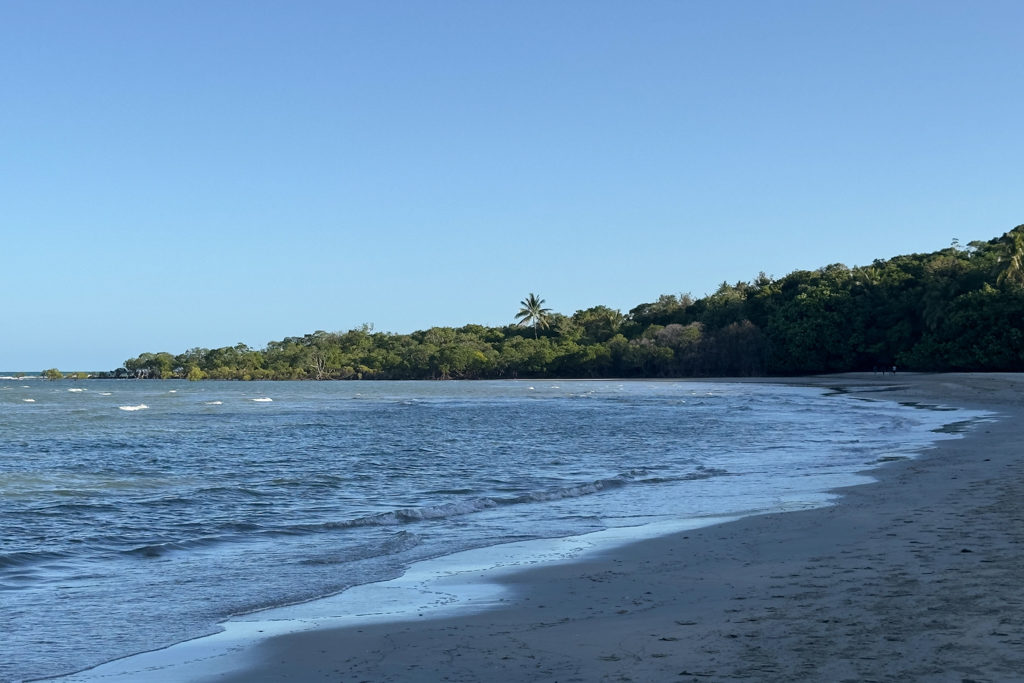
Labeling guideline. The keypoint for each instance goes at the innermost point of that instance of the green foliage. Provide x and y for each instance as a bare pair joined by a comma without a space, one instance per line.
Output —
598,323
52,374
961,308
1012,272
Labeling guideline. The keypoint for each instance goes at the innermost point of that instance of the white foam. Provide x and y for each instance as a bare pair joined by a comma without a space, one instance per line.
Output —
29,400
141,406
173,391
262,400
215,403
105,393
76,391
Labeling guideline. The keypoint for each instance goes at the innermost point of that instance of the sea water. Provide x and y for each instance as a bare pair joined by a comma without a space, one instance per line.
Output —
136,514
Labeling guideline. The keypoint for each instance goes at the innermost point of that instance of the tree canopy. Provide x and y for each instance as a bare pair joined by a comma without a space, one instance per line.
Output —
960,308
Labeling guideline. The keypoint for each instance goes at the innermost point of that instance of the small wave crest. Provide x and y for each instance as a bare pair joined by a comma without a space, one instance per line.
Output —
25,558
406,515
161,548
566,492
472,505
394,544
141,406
154,549
262,400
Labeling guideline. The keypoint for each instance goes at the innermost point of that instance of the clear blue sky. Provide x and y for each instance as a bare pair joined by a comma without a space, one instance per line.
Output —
177,174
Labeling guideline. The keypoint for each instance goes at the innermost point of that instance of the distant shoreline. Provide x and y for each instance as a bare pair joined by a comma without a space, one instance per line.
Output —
777,379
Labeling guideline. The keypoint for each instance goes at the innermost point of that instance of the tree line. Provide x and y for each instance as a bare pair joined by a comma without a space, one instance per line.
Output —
960,308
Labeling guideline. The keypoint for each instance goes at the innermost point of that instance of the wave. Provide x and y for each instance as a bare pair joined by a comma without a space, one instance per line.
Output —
24,558
76,391
261,400
75,508
214,403
154,549
232,490
141,406
161,548
29,400
566,492
398,542
473,505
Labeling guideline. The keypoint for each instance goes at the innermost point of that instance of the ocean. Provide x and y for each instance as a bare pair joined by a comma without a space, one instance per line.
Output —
137,514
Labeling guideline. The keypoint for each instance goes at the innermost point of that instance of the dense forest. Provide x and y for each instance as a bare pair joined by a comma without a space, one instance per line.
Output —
961,308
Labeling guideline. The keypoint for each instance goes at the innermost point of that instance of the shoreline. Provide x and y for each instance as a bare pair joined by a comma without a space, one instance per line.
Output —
873,587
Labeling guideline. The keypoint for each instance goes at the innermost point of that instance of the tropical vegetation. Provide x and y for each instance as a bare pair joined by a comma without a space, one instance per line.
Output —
534,313
960,308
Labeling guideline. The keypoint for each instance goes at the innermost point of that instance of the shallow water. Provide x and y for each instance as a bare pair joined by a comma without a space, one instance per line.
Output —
137,514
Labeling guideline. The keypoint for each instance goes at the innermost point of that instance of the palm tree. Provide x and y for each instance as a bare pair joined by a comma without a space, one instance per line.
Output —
533,312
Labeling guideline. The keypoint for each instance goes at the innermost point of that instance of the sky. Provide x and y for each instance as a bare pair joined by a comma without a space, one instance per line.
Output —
182,174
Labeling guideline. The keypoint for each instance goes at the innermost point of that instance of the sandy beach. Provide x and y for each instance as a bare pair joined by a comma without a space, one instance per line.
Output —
914,578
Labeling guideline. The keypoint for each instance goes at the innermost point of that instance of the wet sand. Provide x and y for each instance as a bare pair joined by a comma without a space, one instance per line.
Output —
916,577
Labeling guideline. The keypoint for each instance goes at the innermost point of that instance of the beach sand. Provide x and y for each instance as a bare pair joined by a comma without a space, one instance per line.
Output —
918,577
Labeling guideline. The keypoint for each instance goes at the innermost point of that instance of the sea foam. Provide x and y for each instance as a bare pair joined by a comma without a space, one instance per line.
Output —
141,406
